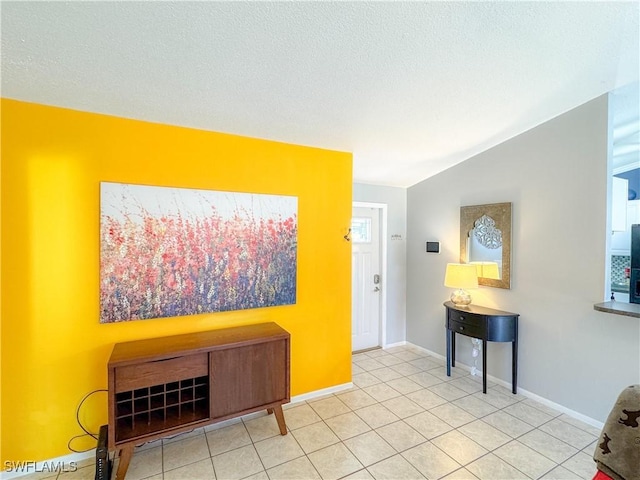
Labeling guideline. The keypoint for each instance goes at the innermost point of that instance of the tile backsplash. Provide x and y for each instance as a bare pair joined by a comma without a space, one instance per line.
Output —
618,264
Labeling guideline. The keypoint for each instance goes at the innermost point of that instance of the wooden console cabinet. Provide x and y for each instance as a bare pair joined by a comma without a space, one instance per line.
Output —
173,384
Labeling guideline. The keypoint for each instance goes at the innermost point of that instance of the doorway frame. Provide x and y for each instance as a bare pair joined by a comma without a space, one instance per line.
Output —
382,211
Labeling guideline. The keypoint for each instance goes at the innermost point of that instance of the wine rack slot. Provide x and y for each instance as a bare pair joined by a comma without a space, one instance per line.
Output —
159,407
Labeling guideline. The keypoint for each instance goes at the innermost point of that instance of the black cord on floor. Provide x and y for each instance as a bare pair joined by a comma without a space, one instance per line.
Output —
86,433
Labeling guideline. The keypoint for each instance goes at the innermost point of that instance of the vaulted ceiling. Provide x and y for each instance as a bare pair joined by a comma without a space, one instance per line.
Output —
411,88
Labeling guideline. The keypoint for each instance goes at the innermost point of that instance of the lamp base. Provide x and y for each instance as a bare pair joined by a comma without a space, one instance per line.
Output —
461,297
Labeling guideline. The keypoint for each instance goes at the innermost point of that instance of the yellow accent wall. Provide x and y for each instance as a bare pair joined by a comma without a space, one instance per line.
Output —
54,350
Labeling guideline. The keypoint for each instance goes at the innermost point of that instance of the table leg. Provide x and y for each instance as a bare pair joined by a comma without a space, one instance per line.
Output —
514,367
453,348
448,337
484,366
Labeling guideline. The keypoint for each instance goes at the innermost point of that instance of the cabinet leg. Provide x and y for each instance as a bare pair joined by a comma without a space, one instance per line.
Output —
280,418
125,458
269,411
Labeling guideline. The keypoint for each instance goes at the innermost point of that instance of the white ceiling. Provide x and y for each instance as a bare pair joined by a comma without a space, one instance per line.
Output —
410,88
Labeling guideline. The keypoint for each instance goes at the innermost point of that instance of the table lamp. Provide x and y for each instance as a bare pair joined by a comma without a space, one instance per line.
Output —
461,276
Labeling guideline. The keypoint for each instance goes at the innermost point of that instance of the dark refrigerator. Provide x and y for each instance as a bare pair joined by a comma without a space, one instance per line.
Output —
634,287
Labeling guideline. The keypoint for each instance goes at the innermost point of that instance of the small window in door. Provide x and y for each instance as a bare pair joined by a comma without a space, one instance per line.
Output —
361,230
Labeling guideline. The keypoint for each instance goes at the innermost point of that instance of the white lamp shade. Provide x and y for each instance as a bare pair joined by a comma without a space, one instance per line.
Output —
461,275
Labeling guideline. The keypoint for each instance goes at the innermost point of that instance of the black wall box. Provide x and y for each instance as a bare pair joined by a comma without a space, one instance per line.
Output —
433,247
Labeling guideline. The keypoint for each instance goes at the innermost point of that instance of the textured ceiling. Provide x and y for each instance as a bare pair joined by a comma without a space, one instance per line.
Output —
410,88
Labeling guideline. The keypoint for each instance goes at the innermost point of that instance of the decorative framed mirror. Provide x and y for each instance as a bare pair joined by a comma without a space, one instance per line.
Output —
485,240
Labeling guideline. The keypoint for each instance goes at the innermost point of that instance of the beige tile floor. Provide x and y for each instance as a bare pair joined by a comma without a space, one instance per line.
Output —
404,419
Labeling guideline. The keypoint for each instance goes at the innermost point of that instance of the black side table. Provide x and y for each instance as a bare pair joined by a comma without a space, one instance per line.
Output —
486,324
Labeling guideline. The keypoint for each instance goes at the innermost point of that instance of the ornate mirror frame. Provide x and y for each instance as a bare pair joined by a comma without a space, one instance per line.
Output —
501,214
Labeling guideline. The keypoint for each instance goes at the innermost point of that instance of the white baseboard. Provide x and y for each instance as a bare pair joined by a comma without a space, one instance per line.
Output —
422,349
321,393
396,344
556,406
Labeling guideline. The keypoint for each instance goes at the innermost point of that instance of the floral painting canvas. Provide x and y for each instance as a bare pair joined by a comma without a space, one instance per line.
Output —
168,252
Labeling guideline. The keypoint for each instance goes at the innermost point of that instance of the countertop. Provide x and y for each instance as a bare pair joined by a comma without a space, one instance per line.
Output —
619,308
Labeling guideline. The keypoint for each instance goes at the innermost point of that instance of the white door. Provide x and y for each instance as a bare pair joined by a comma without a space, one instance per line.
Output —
366,281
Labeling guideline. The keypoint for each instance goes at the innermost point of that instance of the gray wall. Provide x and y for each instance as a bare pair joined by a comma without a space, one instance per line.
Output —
556,177
396,200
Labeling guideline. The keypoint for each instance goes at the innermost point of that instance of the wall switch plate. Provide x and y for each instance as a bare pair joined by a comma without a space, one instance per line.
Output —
433,247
